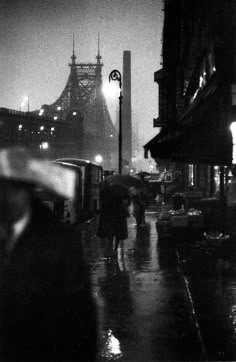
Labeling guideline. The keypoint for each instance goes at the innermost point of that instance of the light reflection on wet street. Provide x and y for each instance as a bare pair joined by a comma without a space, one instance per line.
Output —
142,304
211,271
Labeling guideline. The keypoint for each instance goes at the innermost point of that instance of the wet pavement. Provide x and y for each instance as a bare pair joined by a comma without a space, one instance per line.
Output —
209,267
145,313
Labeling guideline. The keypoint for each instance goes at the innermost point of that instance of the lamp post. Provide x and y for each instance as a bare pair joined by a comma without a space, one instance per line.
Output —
26,98
115,75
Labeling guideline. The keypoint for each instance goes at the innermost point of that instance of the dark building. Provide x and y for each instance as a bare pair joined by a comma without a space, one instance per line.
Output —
45,136
197,93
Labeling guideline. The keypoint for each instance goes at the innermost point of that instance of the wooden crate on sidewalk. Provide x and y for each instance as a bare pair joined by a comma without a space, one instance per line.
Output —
179,221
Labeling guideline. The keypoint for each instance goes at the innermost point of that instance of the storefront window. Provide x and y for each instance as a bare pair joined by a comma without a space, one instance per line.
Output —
190,175
233,130
217,178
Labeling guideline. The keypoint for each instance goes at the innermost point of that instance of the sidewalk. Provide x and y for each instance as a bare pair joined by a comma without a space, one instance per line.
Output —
209,269
209,273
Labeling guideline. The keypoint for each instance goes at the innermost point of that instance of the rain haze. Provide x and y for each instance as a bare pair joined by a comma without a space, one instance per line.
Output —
36,41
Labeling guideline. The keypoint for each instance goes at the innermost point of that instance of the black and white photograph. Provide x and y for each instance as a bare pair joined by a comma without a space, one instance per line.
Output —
117,180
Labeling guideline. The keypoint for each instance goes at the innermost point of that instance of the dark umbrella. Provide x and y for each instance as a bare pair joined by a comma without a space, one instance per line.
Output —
113,190
125,180
143,174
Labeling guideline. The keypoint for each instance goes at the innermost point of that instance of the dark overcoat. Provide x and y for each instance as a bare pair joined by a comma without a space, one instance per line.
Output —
113,215
47,310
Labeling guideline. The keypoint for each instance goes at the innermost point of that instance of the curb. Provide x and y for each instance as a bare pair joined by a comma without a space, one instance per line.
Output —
191,302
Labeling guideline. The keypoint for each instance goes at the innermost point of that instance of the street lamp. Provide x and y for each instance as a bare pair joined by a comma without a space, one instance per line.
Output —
26,99
115,75
22,104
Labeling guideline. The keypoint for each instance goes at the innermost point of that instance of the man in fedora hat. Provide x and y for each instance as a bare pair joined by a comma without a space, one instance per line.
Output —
47,312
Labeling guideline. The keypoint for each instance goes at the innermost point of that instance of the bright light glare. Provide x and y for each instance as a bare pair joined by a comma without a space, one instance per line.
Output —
98,158
111,89
112,347
233,128
44,145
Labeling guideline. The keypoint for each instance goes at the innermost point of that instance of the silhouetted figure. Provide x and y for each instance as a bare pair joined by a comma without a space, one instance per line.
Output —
139,208
113,215
47,312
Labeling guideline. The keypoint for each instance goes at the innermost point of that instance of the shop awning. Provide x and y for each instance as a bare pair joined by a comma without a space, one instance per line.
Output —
161,146
201,134
193,145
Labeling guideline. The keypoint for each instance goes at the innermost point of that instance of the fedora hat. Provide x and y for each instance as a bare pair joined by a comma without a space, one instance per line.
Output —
18,164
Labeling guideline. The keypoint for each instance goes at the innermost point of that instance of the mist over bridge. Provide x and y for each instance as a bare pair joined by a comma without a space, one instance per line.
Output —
82,105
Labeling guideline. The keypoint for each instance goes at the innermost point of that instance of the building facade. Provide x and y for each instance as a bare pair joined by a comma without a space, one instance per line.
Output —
197,93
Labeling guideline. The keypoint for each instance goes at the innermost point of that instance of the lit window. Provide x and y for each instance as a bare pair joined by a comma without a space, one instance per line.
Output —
55,118
191,175
20,127
44,145
41,128
233,130
233,92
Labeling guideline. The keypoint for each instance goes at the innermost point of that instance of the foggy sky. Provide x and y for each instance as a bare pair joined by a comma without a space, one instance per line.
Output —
36,46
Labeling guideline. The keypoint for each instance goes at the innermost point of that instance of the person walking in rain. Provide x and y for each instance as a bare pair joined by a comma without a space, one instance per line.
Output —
115,201
47,312
138,201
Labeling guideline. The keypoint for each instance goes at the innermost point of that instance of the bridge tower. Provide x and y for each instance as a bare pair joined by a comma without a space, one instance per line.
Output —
82,104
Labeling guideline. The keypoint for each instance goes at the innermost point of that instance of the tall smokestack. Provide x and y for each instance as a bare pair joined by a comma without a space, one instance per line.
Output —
126,113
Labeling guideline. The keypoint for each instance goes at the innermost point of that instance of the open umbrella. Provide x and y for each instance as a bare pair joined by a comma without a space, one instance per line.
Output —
125,180
143,174
114,190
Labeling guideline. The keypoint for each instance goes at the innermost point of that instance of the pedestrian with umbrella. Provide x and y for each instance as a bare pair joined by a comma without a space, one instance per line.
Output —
137,189
115,201
139,205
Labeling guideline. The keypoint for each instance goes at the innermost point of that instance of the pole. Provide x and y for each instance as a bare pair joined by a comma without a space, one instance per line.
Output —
120,133
115,75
